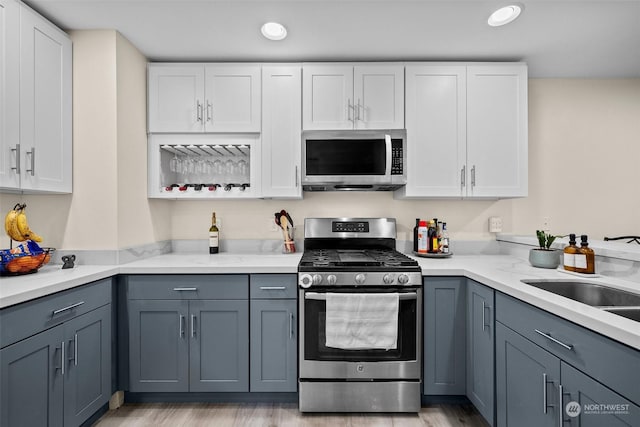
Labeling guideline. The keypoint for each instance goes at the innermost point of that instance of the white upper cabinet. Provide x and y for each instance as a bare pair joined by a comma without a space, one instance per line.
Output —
466,131
186,98
9,94
497,146
281,139
35,105
348,96
45,105
436,130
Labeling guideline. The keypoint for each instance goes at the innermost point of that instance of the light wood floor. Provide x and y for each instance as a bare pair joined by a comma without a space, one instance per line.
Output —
278,415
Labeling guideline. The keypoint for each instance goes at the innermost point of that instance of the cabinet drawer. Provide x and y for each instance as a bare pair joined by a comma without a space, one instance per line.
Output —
610,362
188,287
272,286
26,319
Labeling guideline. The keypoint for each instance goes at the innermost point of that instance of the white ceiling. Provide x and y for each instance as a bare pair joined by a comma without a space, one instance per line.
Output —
557,38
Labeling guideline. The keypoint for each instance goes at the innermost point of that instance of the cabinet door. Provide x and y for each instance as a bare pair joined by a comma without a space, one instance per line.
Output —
88,382
436,131
281,122
45,105
444,335
526,382
273,346
158,346
232,98
480,345
219,345
176,98
31,381
9,94
327,97
599,406
497,130
379,96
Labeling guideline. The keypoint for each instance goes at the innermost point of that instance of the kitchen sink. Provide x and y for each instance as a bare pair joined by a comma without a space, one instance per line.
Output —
588,293
632,313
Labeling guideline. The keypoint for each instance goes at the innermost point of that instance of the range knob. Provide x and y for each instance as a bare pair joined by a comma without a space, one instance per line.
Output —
360,278
305,281
388,279
317,279
403,279
332,279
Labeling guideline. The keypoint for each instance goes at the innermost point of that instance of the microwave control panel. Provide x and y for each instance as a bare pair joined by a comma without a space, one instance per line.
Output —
396,157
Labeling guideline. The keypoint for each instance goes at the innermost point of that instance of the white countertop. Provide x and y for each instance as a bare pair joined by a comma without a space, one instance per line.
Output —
503,273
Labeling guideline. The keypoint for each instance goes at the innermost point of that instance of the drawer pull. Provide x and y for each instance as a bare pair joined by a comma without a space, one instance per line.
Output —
273,288
186,289
549,337
71,307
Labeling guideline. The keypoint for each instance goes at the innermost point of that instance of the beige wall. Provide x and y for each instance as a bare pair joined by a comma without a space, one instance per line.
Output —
584,147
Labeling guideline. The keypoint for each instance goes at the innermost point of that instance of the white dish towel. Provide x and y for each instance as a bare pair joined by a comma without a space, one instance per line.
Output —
362,321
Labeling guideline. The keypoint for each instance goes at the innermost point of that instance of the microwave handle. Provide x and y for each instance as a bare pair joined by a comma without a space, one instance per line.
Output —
387,142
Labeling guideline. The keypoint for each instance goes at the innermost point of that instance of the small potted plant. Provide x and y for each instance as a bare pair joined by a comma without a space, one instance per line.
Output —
544,256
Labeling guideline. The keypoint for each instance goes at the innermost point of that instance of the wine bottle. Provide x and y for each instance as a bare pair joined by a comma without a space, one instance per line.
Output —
415,235
214,236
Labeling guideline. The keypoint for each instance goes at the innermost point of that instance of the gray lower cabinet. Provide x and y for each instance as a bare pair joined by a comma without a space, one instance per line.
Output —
551,372
62,375
445,309
480,348
274,344
188,333
599,406
31,391
527,379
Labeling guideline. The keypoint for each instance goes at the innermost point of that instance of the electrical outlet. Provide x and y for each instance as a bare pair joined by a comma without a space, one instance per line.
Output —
546,223
495,224
219,223
271,225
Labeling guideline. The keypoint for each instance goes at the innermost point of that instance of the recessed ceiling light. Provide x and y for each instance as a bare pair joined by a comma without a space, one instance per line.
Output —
274,31
504,15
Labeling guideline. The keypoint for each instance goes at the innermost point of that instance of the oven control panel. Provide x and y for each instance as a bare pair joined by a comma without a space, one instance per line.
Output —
350,226
350,279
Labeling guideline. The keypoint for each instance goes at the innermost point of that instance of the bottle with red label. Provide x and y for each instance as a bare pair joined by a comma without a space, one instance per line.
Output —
422,237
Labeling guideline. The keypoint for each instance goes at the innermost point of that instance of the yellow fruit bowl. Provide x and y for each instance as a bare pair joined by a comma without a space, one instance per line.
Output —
24,259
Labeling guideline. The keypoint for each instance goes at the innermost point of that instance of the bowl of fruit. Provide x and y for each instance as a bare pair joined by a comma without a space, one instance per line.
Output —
27,257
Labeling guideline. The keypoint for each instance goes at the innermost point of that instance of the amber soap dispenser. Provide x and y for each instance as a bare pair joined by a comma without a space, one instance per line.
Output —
585,258
569,256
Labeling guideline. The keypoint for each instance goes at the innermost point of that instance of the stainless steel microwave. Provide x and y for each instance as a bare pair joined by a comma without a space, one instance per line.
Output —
363,160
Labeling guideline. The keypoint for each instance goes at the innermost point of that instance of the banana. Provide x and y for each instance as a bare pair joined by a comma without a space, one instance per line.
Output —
23,227
11,224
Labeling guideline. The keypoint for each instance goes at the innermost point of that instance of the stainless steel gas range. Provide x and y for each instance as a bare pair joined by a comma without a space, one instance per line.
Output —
360,307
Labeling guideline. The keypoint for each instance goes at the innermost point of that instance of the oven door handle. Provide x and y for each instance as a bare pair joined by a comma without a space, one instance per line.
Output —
323,296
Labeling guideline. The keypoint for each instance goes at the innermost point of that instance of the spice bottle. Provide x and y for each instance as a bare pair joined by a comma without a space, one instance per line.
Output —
444,241
415,235
433,246
569,256
585,258
422,237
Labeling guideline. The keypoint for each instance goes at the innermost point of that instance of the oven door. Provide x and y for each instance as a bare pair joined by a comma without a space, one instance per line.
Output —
317,361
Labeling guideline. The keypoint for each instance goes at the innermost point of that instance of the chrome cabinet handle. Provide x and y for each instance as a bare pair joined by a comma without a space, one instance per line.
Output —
350,107
32,155
273,288
181,332
545,404
17,151
290,325
358,117
296,175
185,289
473,176
193,326
463,177
557,341
71,307
484,310
75,350
560,409
62,357
209,108
199,111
